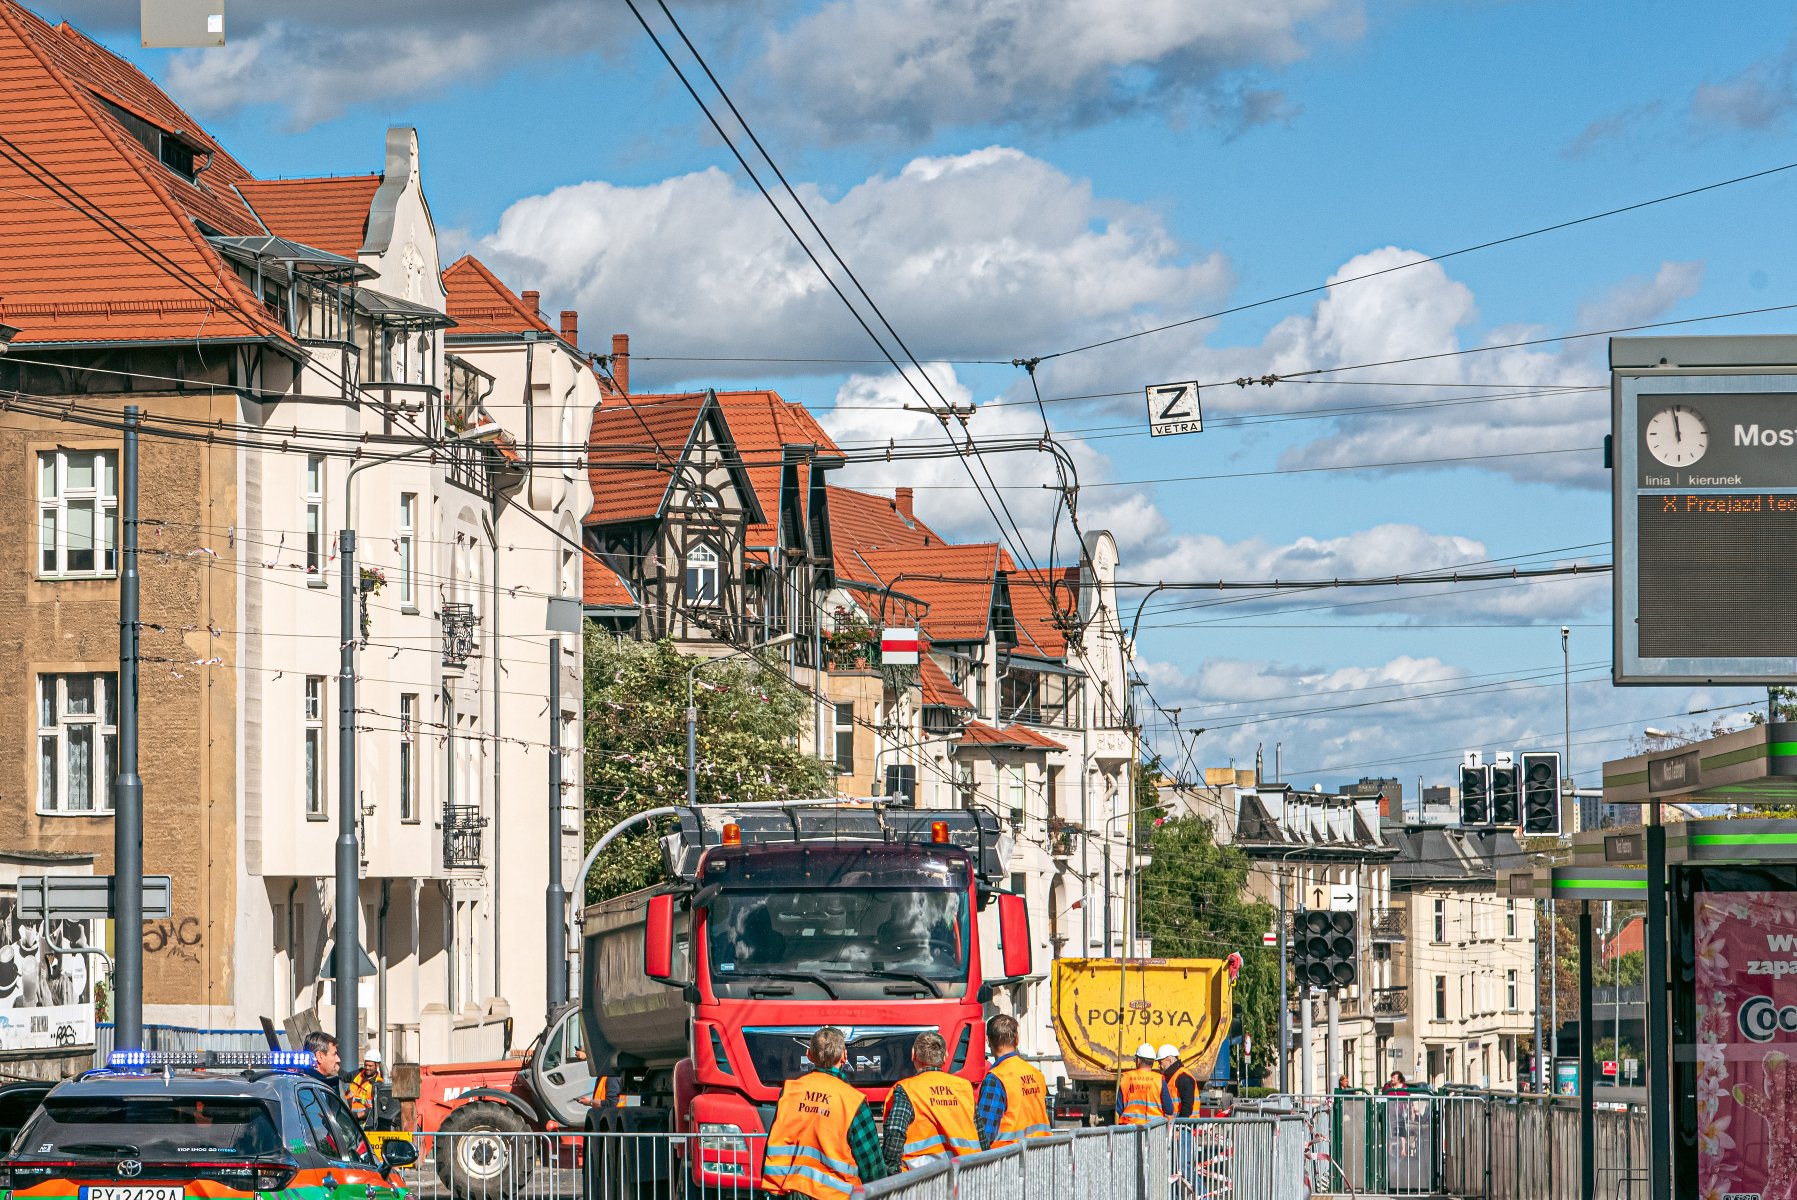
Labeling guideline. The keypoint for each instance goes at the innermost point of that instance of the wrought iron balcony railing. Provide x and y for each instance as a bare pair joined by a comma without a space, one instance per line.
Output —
463,827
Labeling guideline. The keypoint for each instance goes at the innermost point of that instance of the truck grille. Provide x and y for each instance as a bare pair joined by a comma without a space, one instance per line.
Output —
878,1055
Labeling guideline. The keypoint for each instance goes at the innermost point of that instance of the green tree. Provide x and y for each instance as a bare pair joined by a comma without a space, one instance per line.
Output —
750,715
1195,905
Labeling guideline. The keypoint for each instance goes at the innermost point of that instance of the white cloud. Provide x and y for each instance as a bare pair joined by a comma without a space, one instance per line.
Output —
1759,98
963,253
862,69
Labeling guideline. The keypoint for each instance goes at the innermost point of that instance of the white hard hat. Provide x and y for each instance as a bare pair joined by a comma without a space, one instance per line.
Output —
1168,1051
1145,1050
372,1054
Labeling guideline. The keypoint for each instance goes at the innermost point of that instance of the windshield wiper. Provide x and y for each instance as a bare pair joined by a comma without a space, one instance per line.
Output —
797,976
888,973
98,1147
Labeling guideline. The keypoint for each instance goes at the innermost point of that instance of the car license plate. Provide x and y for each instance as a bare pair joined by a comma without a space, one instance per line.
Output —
128,1192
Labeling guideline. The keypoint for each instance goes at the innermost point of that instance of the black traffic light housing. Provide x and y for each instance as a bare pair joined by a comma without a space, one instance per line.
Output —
1541,793
1506,795
1344,959
1475,795
1324,953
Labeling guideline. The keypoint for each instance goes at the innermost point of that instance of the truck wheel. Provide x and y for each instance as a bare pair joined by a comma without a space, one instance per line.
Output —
482,1153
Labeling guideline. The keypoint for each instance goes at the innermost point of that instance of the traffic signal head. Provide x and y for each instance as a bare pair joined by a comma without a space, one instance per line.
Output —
1475,795
1541,794
1343,959
1506,798
1323,949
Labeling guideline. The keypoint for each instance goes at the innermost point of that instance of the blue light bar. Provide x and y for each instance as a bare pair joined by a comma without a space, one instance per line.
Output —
241,1060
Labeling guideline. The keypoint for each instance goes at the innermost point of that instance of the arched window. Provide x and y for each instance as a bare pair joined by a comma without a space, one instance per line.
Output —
702,575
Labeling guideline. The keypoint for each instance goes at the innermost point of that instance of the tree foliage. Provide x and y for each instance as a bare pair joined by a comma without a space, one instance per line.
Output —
1194,904
750,715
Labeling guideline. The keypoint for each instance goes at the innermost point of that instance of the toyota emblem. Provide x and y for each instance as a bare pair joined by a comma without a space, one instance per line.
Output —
130,1168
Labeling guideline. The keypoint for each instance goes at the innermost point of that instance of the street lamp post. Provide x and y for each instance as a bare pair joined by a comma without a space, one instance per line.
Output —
692,711
349,884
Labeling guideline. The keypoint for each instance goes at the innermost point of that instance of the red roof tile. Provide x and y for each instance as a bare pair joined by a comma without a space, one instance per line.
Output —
955,581
480,303
329,213
978,733
1035,596
632,452
862,522
938,688
603,587
97,237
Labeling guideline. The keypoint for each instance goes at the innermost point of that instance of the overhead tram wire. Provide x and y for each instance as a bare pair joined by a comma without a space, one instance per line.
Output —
1434,258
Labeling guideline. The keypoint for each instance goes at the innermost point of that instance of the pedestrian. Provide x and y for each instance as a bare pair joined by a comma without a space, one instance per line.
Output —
327,1063
930,1114
1397,1085
824,1142
1179,1087
605,1093
360,1091
1014,1095
1139,1090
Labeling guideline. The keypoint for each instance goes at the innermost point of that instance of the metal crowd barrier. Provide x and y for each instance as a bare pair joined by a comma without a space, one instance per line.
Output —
1240,1158
1118,1163
504,1165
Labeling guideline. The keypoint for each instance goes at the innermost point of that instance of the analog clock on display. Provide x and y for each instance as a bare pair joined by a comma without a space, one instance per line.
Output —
1678,435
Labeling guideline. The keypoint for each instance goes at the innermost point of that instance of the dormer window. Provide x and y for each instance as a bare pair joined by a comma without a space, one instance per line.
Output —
170,150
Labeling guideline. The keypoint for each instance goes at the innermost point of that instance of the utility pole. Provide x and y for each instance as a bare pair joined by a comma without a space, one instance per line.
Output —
349,875
128,788
555,897
1285,1008
1543,1073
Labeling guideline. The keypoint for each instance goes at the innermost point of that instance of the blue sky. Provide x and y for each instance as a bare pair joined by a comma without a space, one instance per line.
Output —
1014,179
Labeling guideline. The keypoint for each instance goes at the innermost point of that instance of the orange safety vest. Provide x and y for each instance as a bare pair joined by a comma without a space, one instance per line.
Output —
360,1094
808,1149
1139,1096
942,1107
1026,1101
1170,1091
602,1094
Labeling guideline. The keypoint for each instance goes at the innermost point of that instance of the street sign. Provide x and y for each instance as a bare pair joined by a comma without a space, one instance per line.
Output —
1269,939
1631,1067
898,647
87,897
1173,408
1609,1068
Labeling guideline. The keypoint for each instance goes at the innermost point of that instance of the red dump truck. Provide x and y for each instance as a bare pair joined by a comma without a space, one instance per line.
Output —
701,993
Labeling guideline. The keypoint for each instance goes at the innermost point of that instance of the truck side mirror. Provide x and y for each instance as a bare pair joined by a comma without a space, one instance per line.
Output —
658,939
1014,935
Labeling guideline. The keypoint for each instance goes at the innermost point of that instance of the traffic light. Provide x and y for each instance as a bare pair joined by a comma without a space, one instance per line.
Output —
1541,793
1310,948
1506,798
1343,959
1475,795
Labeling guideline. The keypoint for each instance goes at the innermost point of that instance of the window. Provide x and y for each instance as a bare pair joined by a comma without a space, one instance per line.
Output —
77,742
702,575
1510,990
1441,997
408,757
408,550
77,514
1509,918
844,728
315,549
964,784
1441,920
315,747
1350,1059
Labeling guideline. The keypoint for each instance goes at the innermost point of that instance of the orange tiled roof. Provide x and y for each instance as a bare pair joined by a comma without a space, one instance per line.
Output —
603,587
955,581
127,263
633,449
978,733
480,303
938,688
1035,596
862,521
329,213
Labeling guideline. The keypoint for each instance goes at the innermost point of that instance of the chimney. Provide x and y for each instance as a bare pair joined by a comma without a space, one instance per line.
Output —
901,498
620,361
571,327
531,302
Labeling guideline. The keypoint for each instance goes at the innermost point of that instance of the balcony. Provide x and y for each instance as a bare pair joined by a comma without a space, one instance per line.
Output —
459,623
1391,1004
462,829
1389,924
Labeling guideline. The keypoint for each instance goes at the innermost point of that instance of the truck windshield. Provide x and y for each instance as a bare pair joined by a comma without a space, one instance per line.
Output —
875,943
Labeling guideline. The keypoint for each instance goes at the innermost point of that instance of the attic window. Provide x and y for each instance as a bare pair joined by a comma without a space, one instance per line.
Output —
173,153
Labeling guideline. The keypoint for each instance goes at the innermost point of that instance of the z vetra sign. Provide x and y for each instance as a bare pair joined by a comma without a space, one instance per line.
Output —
1672,774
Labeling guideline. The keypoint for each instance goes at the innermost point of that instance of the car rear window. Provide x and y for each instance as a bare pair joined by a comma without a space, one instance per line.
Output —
149,1127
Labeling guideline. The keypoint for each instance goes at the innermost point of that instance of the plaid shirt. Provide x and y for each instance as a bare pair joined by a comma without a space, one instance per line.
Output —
993,1103
898,1123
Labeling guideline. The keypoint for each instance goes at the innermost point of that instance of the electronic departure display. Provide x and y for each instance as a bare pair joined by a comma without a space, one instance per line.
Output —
1704,464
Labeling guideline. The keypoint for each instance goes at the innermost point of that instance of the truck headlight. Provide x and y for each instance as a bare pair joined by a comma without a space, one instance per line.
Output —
719,1135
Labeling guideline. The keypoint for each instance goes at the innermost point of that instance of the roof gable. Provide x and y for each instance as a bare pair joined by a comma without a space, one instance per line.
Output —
330,212
958,583
481,304
862,522
637,447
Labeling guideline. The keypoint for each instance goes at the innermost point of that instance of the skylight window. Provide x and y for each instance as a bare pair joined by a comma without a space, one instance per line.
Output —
173,153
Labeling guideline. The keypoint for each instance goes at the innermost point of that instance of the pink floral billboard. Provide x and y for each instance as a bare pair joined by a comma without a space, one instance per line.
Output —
1746,994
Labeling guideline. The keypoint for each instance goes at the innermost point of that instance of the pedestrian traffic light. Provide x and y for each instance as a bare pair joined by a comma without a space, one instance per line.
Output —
1506,798
1310,948
1475,795
1344,957
1541,793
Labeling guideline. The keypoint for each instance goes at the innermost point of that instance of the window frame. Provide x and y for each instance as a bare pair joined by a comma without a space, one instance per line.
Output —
843,734
408,552
316,549
1441,998
1510,989
312,705
694,567
102,719
1441,921
105,507
409,758
1510,916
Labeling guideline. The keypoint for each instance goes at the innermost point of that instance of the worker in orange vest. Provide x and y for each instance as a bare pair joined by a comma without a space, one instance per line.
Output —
1179,1087
360,1089
929,1115
824,1142
1014,1096
1139,1090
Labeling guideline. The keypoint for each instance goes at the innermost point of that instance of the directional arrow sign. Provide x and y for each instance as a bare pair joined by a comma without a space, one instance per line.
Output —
1173,408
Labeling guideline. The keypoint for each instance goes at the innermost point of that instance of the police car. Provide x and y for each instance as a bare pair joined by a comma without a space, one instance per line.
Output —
168,1126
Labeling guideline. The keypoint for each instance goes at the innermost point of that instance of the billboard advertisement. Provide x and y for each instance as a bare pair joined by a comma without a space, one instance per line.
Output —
1745,993
46,998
